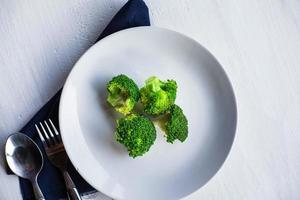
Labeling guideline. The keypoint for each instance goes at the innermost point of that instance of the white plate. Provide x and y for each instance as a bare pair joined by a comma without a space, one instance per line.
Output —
167,171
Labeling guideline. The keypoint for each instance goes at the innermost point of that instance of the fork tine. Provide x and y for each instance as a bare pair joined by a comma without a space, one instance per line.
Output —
54,139
45,132
58,136
45,144
40,134
55,130
49,130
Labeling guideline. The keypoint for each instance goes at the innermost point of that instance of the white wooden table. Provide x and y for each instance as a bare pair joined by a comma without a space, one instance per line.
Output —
257,42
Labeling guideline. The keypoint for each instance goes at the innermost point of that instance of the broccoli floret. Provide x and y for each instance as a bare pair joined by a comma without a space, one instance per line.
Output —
123,94
137,133
176,125
157,96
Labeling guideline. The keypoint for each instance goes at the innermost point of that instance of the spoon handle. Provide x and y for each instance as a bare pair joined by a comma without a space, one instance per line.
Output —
37,191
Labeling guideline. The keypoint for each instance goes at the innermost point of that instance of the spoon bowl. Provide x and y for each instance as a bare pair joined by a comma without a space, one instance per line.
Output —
25,159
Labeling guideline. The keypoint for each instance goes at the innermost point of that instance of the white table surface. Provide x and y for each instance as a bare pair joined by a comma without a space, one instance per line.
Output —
257,42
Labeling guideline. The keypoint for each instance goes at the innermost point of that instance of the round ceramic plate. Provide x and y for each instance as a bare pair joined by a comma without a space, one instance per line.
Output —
167,171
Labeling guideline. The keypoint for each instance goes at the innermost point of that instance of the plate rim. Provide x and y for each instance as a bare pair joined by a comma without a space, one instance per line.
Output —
74,68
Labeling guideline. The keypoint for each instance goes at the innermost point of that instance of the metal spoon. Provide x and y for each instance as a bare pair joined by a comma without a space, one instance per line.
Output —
25,159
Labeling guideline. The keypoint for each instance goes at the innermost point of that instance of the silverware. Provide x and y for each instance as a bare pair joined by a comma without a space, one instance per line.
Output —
56,154
25,159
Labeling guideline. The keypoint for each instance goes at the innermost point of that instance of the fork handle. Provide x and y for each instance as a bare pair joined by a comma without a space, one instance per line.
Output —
71,188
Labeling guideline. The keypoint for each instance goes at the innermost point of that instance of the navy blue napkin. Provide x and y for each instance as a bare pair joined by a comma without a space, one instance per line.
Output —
134,13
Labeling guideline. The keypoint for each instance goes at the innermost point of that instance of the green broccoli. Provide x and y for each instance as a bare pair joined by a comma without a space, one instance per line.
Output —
137,133
123,94
157,96
175,124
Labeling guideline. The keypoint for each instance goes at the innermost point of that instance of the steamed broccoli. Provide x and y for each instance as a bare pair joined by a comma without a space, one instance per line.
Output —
137,133
176,125
123,94
157,96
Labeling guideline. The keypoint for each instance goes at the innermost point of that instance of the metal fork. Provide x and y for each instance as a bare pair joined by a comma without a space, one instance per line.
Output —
56,153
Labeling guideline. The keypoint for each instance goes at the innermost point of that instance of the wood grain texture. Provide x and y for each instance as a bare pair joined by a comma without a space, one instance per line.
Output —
257,42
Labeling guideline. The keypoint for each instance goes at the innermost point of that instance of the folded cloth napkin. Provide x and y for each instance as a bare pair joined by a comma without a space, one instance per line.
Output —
134,13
